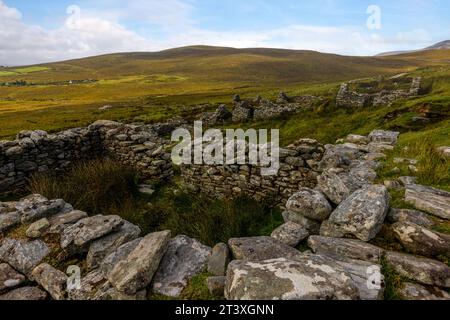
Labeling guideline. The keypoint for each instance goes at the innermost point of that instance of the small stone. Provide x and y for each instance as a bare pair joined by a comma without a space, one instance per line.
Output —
407,180
216,286
38,228
24,294
9,278
354,138
392,185
290,233
146,189
51,279
388,137
219,259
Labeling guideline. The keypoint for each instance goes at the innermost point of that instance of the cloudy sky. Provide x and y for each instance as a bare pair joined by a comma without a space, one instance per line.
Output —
50,30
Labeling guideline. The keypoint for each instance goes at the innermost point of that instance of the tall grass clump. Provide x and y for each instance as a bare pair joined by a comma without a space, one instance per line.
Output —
95,186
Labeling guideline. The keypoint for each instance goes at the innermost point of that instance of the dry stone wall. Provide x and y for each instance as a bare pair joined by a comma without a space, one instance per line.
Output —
38,151
298,168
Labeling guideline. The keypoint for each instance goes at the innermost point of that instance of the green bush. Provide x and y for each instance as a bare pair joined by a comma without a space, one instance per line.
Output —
96,186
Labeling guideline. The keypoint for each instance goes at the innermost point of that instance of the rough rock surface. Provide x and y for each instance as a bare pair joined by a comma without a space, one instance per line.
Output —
412,216
22,255
60,221
312,226
118,255
136,272
361,215
9,278
89,229
423,270
260,248
290,233
38,228
345,248
414,291
219,259
309,203
305,278
422,241
216,285
36,207
102,247
338,185
434,201
25,294
51,279
184,259
386,137
9,220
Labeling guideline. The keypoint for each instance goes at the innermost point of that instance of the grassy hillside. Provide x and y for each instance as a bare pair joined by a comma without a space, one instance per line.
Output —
150,86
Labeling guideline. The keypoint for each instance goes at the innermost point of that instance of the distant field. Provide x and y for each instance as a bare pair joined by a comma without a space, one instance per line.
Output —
153,86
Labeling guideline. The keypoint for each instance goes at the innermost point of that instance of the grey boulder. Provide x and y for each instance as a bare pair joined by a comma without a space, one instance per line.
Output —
184,259
9,278
309,203
8,221
260,248
22,255
219,259
431,200
290,233
384,137
361,215
52,280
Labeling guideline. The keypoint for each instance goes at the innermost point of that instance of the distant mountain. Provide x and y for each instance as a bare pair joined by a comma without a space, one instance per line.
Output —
444,45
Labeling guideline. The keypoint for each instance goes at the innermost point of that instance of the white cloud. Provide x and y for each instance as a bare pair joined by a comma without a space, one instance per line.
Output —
169,24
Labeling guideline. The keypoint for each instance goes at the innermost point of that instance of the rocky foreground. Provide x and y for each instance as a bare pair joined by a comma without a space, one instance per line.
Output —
49,250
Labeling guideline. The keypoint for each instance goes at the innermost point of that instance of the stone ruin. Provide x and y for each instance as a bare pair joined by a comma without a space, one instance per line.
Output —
347,98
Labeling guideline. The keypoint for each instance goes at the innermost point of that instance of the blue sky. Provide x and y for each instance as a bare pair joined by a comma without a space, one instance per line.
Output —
46,30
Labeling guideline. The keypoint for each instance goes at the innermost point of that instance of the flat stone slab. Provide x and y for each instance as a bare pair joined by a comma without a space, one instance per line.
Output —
290,233
36,207
413,291
361,215
260,248
184,259
422,241
345,249
102,247
9,278
22,255
89,229
422,270
136,272
60,221
411,216
431,200
303,278
25,294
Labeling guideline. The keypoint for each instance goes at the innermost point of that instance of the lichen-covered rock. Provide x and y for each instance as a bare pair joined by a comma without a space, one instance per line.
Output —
51,279
136,271
305,278
86,230
60,221
260,248
219,259
413,291
309,203
35,207
412,216
184,259
337,185
361,215
216,286
387,137
345,248
407,180
422,270
22,255
312,226
358,139
8,221
339,156
290,233
118,255
102,247
24,294
422,241
38,228
431,200
9,278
